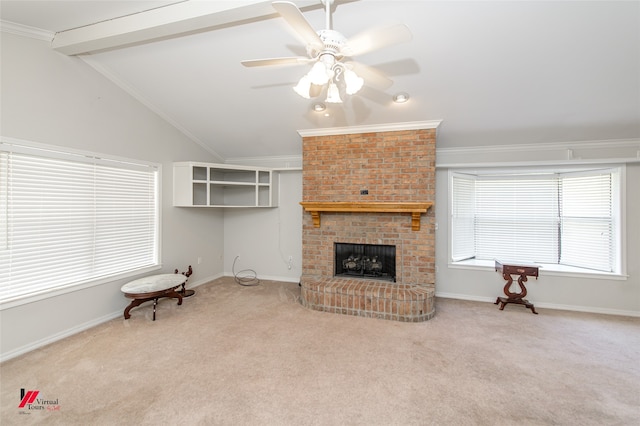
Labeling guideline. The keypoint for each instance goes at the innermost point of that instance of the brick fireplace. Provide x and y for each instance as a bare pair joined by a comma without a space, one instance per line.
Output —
370,185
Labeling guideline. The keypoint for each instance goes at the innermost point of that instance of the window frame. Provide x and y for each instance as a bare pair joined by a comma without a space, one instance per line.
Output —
88,156
619,207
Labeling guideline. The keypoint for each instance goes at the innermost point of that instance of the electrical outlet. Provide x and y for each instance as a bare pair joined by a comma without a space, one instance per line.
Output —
290,265
199,260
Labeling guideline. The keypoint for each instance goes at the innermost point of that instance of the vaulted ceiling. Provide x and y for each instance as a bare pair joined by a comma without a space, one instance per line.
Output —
495,72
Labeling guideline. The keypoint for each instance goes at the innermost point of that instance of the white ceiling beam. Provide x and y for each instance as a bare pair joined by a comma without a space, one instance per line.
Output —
163,22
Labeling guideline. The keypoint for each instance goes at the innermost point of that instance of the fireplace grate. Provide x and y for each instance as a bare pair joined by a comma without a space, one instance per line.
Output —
370,261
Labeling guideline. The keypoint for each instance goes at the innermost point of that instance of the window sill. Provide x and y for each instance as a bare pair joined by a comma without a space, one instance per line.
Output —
545,269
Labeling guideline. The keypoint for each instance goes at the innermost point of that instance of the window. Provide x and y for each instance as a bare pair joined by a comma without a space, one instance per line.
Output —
569,218
71,218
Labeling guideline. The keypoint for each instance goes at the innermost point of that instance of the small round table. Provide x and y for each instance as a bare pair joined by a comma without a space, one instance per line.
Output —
152,287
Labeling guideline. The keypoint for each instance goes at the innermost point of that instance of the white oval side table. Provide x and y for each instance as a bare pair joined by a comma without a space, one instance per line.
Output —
152,287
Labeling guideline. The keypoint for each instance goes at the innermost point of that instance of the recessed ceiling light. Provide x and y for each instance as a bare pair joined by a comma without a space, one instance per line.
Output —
401,98
319,107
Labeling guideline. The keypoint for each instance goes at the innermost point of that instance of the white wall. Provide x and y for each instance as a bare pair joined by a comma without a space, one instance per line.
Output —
265,238
54,99
551,291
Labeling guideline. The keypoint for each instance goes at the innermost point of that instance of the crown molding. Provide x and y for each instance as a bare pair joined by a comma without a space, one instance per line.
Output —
374,128
549,153
607,143
26,31
278,162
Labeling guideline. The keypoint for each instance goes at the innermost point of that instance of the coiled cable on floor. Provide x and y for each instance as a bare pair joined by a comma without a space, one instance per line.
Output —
246,277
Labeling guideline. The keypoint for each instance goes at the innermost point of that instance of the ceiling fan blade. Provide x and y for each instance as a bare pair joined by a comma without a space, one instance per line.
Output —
296,20
377,38
371,76
297,60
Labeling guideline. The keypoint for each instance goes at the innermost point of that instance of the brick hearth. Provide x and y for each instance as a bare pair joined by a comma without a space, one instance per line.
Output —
367,298
395,166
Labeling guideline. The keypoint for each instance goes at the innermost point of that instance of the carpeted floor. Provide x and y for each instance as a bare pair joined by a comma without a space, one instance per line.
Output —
233,355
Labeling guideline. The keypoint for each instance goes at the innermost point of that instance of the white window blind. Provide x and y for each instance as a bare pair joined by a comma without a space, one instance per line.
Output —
68,219
587,222
564,218
463,218
517,218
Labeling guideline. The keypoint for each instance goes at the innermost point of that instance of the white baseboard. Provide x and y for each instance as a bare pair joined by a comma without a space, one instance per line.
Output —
271,278
192,284
589,309
59,336
283,279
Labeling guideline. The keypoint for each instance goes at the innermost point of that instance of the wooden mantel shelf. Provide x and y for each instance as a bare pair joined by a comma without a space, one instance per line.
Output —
416,209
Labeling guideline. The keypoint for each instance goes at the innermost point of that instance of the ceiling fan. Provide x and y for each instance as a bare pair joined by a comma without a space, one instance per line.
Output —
330,53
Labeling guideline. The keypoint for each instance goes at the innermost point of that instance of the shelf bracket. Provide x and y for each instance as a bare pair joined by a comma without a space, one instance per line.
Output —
415,221
315,215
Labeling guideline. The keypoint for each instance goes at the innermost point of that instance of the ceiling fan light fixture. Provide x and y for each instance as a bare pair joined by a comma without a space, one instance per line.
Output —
353,82
401,98
318,74
319,107
303,87
333,94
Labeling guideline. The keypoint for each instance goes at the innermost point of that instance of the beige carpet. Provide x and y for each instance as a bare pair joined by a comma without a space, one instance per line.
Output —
234,355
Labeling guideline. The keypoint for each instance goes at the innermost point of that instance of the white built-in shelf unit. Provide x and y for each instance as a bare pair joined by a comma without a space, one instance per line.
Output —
223,185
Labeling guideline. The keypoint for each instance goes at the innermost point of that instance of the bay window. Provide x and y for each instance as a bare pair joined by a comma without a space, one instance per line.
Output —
567,218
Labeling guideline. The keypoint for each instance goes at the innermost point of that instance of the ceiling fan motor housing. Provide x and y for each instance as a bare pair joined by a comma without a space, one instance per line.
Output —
333,42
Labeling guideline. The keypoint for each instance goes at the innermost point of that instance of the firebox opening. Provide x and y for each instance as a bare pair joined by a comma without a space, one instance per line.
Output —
370,261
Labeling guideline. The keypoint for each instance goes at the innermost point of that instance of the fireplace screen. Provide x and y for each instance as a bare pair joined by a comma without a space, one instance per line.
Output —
369,261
